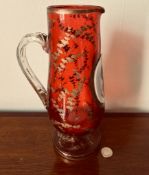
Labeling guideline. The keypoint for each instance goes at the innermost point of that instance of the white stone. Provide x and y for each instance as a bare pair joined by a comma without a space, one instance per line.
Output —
106,152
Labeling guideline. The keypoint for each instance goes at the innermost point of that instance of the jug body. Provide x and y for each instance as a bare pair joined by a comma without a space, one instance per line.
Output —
74,52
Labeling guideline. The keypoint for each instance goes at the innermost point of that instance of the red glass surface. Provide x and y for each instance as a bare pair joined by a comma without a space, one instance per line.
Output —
74,51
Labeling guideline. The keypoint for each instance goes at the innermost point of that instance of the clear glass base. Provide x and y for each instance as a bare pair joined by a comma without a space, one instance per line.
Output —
76,147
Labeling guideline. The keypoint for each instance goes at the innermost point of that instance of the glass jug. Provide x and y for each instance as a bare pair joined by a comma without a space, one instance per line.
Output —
74,99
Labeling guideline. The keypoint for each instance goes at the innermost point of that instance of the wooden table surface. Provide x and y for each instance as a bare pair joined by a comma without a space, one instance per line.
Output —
26,147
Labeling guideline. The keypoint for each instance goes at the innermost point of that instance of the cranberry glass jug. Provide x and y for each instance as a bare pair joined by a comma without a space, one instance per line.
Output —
74,99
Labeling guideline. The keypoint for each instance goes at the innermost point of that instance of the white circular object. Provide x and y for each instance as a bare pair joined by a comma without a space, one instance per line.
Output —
106,152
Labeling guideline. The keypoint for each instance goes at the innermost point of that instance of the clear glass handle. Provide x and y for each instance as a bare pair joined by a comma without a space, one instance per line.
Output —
42,39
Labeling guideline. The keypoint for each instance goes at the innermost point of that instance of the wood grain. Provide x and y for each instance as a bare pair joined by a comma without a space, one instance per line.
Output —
26,147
